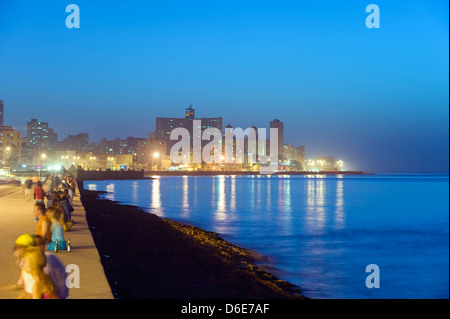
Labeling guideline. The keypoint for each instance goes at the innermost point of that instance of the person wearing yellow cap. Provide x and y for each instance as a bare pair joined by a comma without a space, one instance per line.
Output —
26,240
21,244
53,268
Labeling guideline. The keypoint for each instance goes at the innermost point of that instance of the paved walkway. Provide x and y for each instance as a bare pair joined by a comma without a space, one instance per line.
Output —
16,218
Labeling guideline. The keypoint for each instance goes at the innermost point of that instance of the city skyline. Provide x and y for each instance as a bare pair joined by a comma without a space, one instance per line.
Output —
250,148
376,98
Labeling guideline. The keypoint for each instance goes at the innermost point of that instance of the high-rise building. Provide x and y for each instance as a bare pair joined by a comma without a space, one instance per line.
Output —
10,146
40,137
301,154
1,113
150,152
165,125
228,150
75,142
294,157
276,123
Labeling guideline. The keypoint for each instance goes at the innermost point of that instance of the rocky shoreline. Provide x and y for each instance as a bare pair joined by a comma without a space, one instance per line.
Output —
147,257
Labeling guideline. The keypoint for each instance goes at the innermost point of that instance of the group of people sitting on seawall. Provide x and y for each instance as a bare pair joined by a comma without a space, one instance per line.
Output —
42,274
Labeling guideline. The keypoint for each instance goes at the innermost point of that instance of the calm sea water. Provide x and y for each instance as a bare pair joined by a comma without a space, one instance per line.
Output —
320,232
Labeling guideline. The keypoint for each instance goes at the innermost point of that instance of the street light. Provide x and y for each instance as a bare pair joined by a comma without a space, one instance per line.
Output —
43,156
156,157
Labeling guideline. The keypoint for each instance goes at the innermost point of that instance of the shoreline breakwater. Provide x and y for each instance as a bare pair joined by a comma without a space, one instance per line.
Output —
147,257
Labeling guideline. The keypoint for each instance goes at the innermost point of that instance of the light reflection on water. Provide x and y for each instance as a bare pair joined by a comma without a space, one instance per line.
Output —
339,212
155,203
185,204
319,231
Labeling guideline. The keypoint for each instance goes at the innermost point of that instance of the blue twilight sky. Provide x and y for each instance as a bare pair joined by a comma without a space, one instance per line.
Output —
375,98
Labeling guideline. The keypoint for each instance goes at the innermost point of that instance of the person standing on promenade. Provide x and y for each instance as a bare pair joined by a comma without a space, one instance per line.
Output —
28,189
73,186
39,193
49,186
57,182
70,193
69,188
43,227
23,180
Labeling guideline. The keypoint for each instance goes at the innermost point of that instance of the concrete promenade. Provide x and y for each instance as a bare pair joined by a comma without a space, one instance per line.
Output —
16,218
